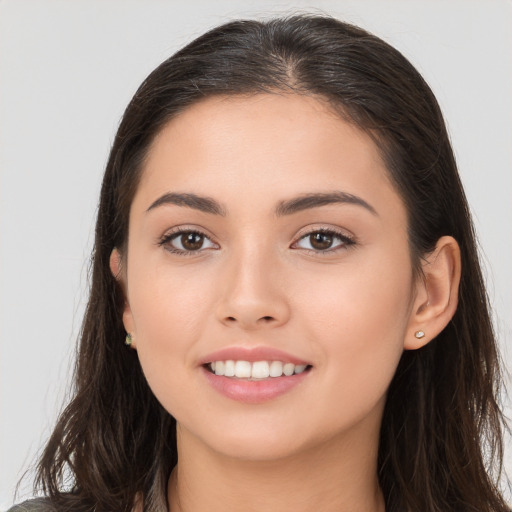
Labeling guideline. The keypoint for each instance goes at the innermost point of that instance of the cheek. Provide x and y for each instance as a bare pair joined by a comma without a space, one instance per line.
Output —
168,322
164,300
358,321
368,300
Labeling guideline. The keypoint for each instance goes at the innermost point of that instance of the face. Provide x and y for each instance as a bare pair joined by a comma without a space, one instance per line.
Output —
265,237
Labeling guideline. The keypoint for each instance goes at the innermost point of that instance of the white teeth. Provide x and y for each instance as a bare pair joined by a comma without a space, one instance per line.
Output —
260,370
276,369
243,369
288,369
219,368
229,368
300,368
256,370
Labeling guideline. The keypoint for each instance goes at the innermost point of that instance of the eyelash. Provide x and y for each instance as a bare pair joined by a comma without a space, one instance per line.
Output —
166,240
346,241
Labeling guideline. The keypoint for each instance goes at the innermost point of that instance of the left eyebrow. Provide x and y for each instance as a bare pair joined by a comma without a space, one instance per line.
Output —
315,200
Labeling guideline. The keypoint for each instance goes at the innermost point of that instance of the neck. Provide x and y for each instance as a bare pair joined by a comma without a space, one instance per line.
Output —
339,475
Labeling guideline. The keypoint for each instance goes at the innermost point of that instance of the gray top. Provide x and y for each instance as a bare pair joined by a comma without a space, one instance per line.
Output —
36,505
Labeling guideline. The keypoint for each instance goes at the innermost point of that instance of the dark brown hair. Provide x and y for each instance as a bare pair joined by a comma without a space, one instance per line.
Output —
116,442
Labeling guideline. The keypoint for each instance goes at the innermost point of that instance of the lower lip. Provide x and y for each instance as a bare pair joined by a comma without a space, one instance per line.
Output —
253,391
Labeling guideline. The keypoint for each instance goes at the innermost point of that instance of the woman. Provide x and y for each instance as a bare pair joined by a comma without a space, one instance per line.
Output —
286,310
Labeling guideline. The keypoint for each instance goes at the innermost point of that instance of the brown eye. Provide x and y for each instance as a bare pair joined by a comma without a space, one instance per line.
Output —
186,242
321,241
191,241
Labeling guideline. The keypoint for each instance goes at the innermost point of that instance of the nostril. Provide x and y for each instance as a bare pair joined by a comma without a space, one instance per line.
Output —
247,322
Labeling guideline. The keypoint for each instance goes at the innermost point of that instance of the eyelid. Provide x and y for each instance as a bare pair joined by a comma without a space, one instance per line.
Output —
348,239
173,233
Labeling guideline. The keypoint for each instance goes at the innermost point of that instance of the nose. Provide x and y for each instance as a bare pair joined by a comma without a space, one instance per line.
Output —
253,293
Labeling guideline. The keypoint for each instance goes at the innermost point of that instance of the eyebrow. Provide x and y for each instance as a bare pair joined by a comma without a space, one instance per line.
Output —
288,207
204,204
315,200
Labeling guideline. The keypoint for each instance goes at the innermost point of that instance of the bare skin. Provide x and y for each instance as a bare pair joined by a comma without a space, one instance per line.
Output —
273,485
225,254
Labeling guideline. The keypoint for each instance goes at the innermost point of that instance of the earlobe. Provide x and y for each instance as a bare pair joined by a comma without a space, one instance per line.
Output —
115,264
436,294
130,339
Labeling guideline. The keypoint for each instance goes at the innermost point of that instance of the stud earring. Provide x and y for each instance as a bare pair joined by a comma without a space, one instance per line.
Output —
419,334
128,340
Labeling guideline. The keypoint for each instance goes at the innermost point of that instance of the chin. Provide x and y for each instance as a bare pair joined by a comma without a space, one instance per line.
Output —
258,448
267,441
248,440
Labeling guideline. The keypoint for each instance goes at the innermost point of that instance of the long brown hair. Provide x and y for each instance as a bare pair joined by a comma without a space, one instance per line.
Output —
115,441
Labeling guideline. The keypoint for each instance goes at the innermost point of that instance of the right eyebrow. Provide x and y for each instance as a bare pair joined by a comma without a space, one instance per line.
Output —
201,203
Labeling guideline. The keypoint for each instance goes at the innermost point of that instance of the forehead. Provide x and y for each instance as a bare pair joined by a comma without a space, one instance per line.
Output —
258,121
274,145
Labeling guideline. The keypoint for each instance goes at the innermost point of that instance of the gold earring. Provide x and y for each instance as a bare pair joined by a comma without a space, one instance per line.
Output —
419,334
128,340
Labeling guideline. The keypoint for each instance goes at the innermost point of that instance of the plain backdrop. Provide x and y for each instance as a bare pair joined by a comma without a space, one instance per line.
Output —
68,69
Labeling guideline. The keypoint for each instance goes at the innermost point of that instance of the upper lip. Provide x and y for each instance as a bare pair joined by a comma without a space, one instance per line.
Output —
253,354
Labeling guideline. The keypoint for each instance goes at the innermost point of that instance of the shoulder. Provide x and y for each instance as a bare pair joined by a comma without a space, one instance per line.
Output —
36,505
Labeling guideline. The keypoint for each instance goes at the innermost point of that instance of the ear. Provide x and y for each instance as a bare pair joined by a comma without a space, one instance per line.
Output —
115,264
119,274
437,292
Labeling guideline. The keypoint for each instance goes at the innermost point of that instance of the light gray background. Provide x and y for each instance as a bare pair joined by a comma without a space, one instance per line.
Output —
67,70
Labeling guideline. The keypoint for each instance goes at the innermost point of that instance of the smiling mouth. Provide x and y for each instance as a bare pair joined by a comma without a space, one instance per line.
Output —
257,370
